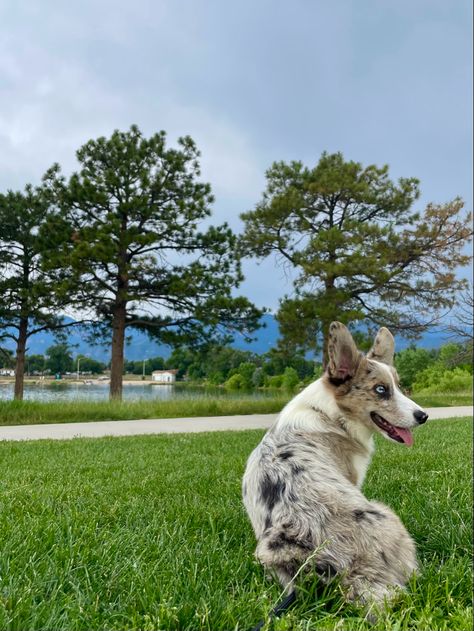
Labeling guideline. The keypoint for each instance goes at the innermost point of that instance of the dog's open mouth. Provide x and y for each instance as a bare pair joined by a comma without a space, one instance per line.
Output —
400,434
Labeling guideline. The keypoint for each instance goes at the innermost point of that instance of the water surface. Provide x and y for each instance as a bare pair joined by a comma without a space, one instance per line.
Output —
100,392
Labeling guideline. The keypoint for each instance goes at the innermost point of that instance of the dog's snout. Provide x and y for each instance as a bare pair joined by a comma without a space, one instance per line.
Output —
420,416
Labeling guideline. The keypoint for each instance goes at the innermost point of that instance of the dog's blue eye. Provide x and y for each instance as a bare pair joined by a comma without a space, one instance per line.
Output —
380,389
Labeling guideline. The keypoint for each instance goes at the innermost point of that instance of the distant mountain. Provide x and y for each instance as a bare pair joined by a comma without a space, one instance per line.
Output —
267,337
139,346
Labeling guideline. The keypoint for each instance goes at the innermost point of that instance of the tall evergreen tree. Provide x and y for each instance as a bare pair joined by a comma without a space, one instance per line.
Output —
357,250
137,245
30,300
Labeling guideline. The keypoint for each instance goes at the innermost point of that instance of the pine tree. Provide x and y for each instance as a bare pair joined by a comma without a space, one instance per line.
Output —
31,299
357,250
137,241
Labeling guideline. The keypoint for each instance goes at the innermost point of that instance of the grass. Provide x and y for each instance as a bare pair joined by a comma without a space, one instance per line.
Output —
37,412
443,399
147,533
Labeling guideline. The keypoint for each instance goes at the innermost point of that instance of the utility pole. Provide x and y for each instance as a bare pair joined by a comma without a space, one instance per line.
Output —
78,364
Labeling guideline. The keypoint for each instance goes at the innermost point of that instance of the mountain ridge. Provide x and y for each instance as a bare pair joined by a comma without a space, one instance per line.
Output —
140,346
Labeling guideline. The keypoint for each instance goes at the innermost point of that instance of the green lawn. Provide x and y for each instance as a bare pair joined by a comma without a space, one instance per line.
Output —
149,533
34,412
443,399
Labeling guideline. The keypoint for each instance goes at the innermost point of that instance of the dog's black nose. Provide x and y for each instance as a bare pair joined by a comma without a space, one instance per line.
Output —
420,416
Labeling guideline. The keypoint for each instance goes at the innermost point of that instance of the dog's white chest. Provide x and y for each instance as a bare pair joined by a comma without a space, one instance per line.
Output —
361,464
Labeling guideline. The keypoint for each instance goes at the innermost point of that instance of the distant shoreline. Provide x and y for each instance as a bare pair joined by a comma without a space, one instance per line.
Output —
35,381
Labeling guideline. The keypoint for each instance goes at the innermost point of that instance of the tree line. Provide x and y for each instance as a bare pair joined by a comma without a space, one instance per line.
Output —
57,360
447,369
126,242
211,364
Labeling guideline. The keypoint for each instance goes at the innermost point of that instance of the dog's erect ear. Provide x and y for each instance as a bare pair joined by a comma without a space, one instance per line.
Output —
343,354
383,347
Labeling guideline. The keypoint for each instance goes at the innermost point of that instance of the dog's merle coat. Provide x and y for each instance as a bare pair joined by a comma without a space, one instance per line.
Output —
302,483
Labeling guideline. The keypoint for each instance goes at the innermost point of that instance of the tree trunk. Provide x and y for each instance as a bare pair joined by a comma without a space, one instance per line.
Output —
20,359
118,339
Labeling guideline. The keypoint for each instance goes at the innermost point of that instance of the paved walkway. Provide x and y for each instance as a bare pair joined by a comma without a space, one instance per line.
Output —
167,425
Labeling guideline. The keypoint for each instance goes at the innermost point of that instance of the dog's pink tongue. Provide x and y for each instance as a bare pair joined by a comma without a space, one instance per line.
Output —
405,435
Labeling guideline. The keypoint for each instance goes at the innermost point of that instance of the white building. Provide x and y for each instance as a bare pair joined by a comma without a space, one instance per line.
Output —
164,376
7,372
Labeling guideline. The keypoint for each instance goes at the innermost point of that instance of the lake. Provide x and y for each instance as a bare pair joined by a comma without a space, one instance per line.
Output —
100,392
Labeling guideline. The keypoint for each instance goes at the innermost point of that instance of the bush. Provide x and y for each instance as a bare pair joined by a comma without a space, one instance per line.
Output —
318,371
215,378
410,363
246,370
258,377
274,381
456,355
236,382
290,379
87,364
438,379
195,371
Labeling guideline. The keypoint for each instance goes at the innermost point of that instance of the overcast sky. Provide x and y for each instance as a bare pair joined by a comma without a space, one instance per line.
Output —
251,81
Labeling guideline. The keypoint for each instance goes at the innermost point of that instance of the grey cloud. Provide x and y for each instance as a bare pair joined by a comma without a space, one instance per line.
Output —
252,82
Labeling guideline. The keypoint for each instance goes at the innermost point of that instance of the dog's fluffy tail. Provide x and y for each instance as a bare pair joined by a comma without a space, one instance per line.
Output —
278,610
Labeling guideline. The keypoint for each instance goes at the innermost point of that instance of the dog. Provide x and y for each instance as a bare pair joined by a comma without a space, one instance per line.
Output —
301,487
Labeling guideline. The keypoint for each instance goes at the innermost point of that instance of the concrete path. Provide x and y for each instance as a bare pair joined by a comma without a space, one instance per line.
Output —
167,426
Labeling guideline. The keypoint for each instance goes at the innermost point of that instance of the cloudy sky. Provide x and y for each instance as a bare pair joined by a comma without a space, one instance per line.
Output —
251,81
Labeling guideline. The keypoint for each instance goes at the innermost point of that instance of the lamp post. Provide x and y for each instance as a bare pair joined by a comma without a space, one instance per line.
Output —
45,359
78,364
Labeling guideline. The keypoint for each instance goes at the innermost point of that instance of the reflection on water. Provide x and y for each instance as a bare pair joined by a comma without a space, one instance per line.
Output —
100,392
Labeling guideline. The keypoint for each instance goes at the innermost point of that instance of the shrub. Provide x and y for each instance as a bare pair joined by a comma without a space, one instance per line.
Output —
290,379
215,378
318,371
258,378
274,381
456,355
246,370
236,382
195,371
410,363
438,379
